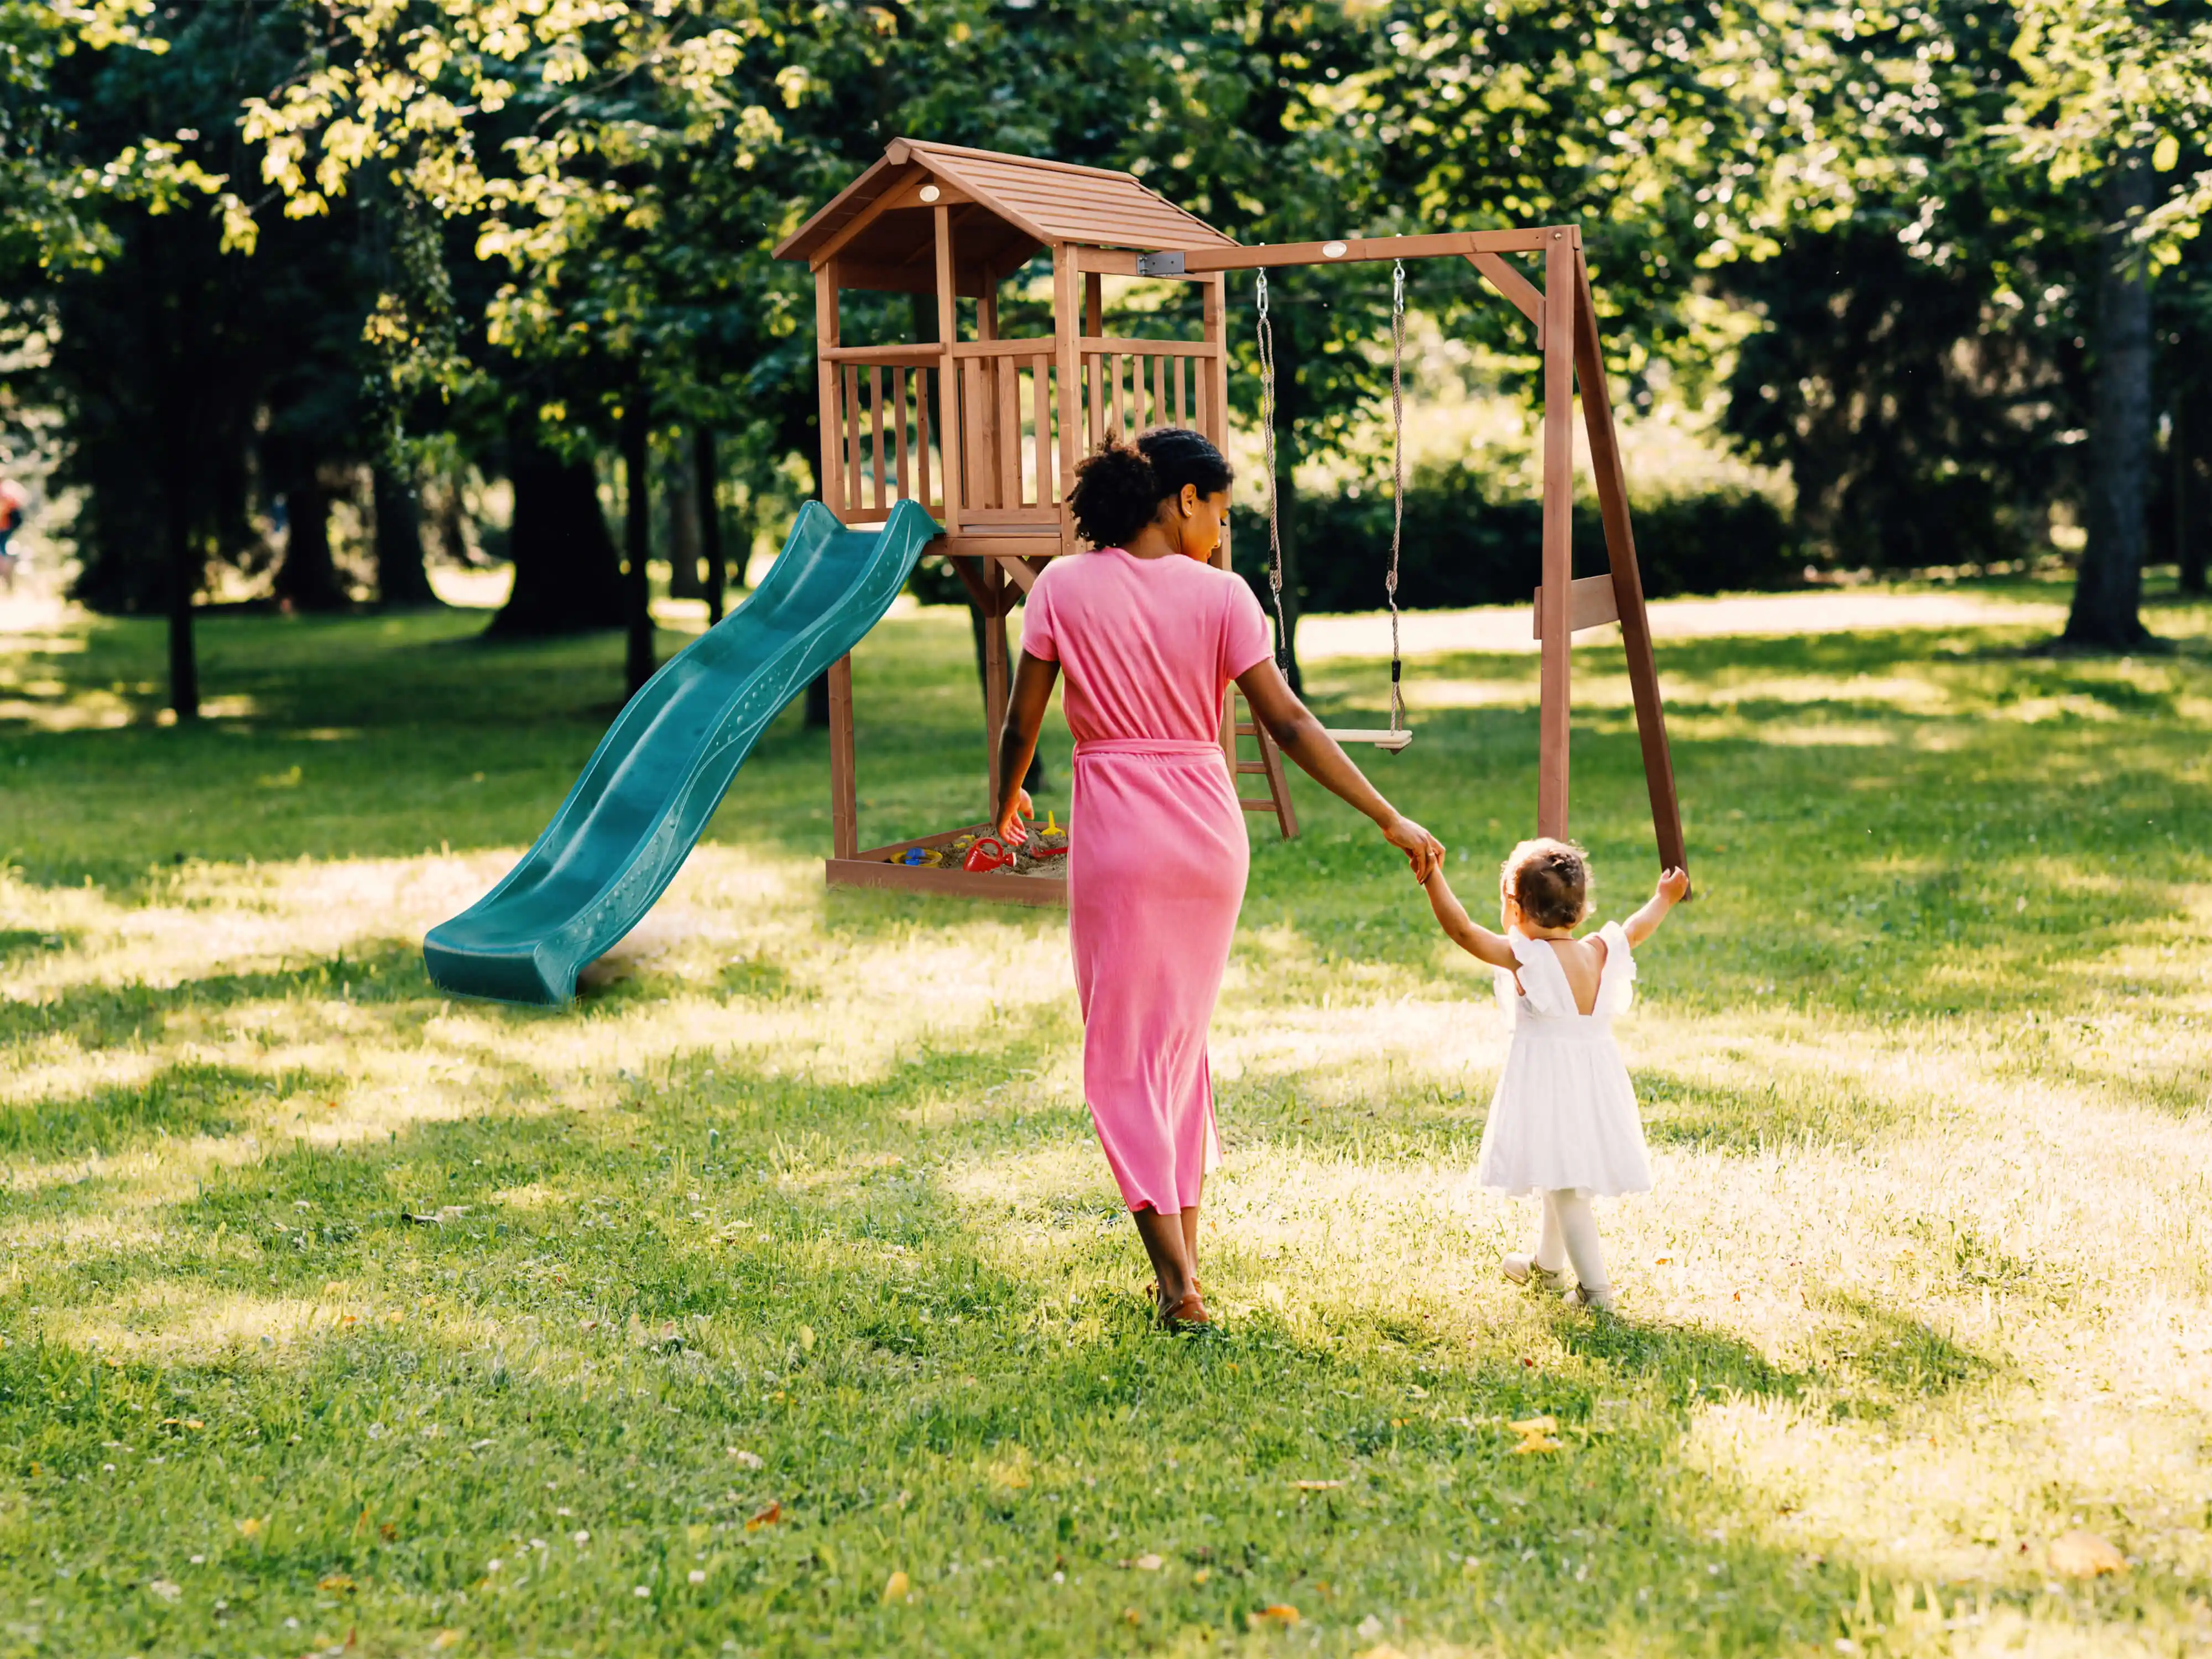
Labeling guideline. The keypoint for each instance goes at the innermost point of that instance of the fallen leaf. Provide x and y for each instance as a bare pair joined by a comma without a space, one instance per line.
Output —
337,1582
766,1518
1536,1426
897,1587
1315,1486
194,1423
1148,1562
447,1638
2081,1554
1129,1615
251,1526
1279,1612
806,1338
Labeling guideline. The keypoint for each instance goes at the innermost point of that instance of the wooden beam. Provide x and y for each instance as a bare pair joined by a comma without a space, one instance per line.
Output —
1592,602
1524,296
948,379
1068,367
1024,574
830,474
1353,250
1553,722
1627,579
970,572
994,673
969,281
844,799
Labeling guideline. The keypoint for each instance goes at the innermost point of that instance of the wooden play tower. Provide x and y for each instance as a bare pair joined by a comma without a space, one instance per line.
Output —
985,431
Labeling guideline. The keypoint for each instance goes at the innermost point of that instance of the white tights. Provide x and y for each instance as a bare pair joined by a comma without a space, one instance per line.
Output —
1569,1234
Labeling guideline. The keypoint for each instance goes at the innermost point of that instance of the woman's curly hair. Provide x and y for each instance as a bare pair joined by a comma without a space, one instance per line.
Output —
1549,880
1119,487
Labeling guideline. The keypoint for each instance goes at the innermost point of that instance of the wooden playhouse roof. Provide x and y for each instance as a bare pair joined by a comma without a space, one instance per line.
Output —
1014,205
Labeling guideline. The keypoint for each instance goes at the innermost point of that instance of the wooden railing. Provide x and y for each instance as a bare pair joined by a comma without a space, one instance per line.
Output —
884,398
891,414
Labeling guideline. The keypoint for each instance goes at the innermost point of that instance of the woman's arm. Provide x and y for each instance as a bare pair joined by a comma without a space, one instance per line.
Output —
1033,682
1299,735
1645,923
1470,936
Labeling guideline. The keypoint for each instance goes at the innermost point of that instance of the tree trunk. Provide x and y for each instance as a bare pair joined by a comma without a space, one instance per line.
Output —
2191,499
308,579
402,579
2108,592
707,476
568,579
680,497
184,572
637,510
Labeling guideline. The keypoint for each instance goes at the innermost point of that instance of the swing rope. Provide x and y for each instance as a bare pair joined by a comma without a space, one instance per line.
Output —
1397,736
1274,522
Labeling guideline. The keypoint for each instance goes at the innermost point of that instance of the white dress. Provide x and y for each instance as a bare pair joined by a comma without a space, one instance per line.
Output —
1565,1114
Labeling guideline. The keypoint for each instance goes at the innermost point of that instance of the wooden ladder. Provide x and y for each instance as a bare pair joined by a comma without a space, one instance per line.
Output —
1236,724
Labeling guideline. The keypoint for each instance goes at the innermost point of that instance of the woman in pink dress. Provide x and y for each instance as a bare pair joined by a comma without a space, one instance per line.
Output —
1149,634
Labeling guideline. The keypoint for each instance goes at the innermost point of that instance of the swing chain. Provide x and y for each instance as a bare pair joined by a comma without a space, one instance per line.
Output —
1397,479
1267,426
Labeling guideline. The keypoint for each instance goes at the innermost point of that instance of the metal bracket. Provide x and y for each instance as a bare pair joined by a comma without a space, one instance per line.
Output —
1160,264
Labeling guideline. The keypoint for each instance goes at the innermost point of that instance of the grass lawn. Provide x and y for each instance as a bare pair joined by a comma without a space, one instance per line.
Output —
777,1299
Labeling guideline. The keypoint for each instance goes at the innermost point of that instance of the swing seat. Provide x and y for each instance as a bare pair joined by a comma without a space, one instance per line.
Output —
1381,737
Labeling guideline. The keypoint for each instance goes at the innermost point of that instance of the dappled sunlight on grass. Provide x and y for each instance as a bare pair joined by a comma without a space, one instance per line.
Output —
799,1207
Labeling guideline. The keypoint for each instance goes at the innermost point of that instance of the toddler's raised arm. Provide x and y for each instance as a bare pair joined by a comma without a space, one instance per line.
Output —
1645,923
1465,933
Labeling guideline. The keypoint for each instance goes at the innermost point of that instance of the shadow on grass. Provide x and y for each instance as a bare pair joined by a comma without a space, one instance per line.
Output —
1805,1108
191,1098
95,1015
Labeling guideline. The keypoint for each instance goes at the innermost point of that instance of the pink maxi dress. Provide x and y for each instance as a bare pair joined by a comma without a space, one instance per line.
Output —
1157,854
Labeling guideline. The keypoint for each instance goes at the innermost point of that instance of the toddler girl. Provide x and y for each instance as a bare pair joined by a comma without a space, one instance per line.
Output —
1564,1123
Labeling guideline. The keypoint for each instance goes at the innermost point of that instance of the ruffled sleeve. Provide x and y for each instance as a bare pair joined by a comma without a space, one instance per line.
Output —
1616,987
1543,981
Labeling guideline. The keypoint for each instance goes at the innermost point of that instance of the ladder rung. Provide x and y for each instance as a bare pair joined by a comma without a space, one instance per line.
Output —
1251,766
1261,803
1244,730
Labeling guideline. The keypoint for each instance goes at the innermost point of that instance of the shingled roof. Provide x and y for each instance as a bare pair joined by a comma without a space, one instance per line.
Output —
1015,205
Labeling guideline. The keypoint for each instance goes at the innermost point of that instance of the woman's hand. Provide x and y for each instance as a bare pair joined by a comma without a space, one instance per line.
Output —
1010,823
1422,850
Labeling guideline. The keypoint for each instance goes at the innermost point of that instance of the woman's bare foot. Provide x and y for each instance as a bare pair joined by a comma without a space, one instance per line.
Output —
1188,1314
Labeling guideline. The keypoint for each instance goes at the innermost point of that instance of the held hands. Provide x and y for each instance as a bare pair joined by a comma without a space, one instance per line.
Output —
1423,851
1009,827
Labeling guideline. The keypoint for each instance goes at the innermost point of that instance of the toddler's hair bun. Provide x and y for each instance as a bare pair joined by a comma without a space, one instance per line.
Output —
1549,880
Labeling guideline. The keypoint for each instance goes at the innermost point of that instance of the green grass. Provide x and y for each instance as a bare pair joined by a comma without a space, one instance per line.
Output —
337,1313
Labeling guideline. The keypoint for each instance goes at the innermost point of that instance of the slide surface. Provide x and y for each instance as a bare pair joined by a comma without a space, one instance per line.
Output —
657,776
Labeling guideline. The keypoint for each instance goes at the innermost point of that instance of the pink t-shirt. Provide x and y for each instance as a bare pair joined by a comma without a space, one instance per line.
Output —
1148,645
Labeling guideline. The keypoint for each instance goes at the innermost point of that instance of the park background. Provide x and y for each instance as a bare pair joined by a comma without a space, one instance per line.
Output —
773,1299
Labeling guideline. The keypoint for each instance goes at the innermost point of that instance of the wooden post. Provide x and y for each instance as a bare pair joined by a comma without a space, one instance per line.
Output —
948,377
844,800
830,474
1066,326
1627,579
994,669
1557,335
1214,416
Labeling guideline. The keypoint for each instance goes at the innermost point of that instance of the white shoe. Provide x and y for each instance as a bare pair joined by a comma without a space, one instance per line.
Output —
1583,1297
1520,1268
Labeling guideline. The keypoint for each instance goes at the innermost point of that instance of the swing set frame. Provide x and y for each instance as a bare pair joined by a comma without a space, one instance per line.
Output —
985,431
1567,336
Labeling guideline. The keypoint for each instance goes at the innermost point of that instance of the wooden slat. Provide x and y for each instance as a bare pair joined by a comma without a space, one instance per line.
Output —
1008,540
1591,602
1066,297
1095,374
1174,369
1553,683
922,377
1120,408
844,800
1009,400
1001,516
994,677
1094,304
875,467
1040,399
1215,414
1159,391
1627,579
898,417
1044,891
852,389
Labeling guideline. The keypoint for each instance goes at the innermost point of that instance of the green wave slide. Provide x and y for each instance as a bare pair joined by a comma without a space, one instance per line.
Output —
664,766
